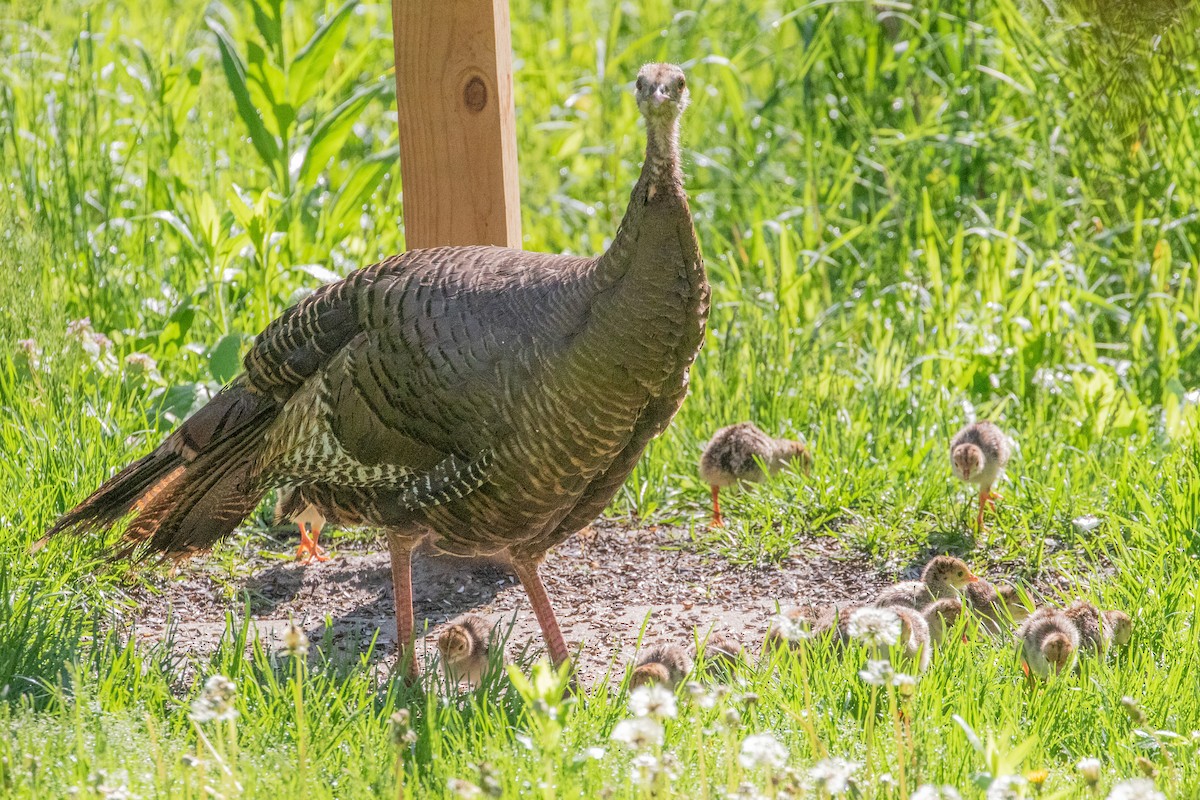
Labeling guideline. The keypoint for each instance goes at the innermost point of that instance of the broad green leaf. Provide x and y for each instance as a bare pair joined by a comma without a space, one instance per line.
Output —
224,360
331,132
313,60
357,190
235,75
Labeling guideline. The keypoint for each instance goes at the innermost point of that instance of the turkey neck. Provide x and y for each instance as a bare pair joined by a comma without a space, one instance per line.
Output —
657,206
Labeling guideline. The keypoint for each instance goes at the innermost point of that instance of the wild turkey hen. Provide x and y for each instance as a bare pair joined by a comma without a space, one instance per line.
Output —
490,399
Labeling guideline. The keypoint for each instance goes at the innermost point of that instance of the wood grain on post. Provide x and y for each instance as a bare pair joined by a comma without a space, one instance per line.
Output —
458,140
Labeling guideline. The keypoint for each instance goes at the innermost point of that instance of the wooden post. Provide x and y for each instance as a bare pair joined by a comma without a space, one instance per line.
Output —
458,140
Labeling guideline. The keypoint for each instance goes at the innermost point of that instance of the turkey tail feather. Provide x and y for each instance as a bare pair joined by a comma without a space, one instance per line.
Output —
193,489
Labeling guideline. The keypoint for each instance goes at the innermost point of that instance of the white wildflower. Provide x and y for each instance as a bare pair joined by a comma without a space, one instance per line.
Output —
463,788
906,685
644,769
594,753
1006,787
877,673
295,642
215,703
1090,769
875,627
654,701
931,792
833,775
793,630
1136,789
638,733
1086,523
762,750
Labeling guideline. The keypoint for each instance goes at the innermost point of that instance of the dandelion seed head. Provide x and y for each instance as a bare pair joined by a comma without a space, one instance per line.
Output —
1136,789
654,701
295,642
762,750
833,775
215,703
1090,769
1006,787
877,673
638,733
875,627
792,630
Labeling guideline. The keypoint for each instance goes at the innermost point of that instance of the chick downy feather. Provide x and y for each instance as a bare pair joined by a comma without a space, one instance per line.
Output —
666,664
1049,642
466,647
943,576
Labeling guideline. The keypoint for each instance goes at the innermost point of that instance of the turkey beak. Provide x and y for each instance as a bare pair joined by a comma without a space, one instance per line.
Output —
972,578
661,95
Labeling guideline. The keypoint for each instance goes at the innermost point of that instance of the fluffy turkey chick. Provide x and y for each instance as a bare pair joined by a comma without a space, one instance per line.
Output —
978,454
721,652
1119,626
944,576
941,616
739,453
997,606
1049,642
666,664
1099,630
466,647
914,636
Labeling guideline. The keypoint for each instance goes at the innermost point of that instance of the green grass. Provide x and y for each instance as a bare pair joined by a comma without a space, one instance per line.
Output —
954,214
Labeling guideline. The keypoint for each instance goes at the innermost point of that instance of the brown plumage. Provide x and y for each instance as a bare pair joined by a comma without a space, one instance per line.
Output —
914,636
997,605
492,400
943,576
1098,630
941,616
466,646
1049,642
978,455
721,652
739,453
666,664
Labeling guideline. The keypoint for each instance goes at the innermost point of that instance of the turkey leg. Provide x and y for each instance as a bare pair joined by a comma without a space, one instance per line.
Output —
402,588
528,574
716,519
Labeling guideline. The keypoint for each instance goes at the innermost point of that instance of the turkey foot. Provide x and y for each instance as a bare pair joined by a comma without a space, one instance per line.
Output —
717,522
309,549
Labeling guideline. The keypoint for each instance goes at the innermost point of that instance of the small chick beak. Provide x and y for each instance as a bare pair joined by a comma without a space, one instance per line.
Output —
972,578
660,95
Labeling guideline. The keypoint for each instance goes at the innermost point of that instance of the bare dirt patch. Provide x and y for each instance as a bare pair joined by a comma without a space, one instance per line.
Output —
603,584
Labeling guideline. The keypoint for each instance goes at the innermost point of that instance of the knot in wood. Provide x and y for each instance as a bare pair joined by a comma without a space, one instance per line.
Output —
475,94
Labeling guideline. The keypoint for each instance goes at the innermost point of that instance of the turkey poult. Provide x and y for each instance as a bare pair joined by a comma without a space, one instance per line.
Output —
1049,642
466,647
943,576
488,399
979,453
739,453
666,664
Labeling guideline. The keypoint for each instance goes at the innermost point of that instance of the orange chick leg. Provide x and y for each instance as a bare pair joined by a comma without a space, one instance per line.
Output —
555,644
716,504
402,589
309,549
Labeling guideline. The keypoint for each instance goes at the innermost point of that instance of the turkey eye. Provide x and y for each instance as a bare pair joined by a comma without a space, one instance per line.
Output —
681,83
641,84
